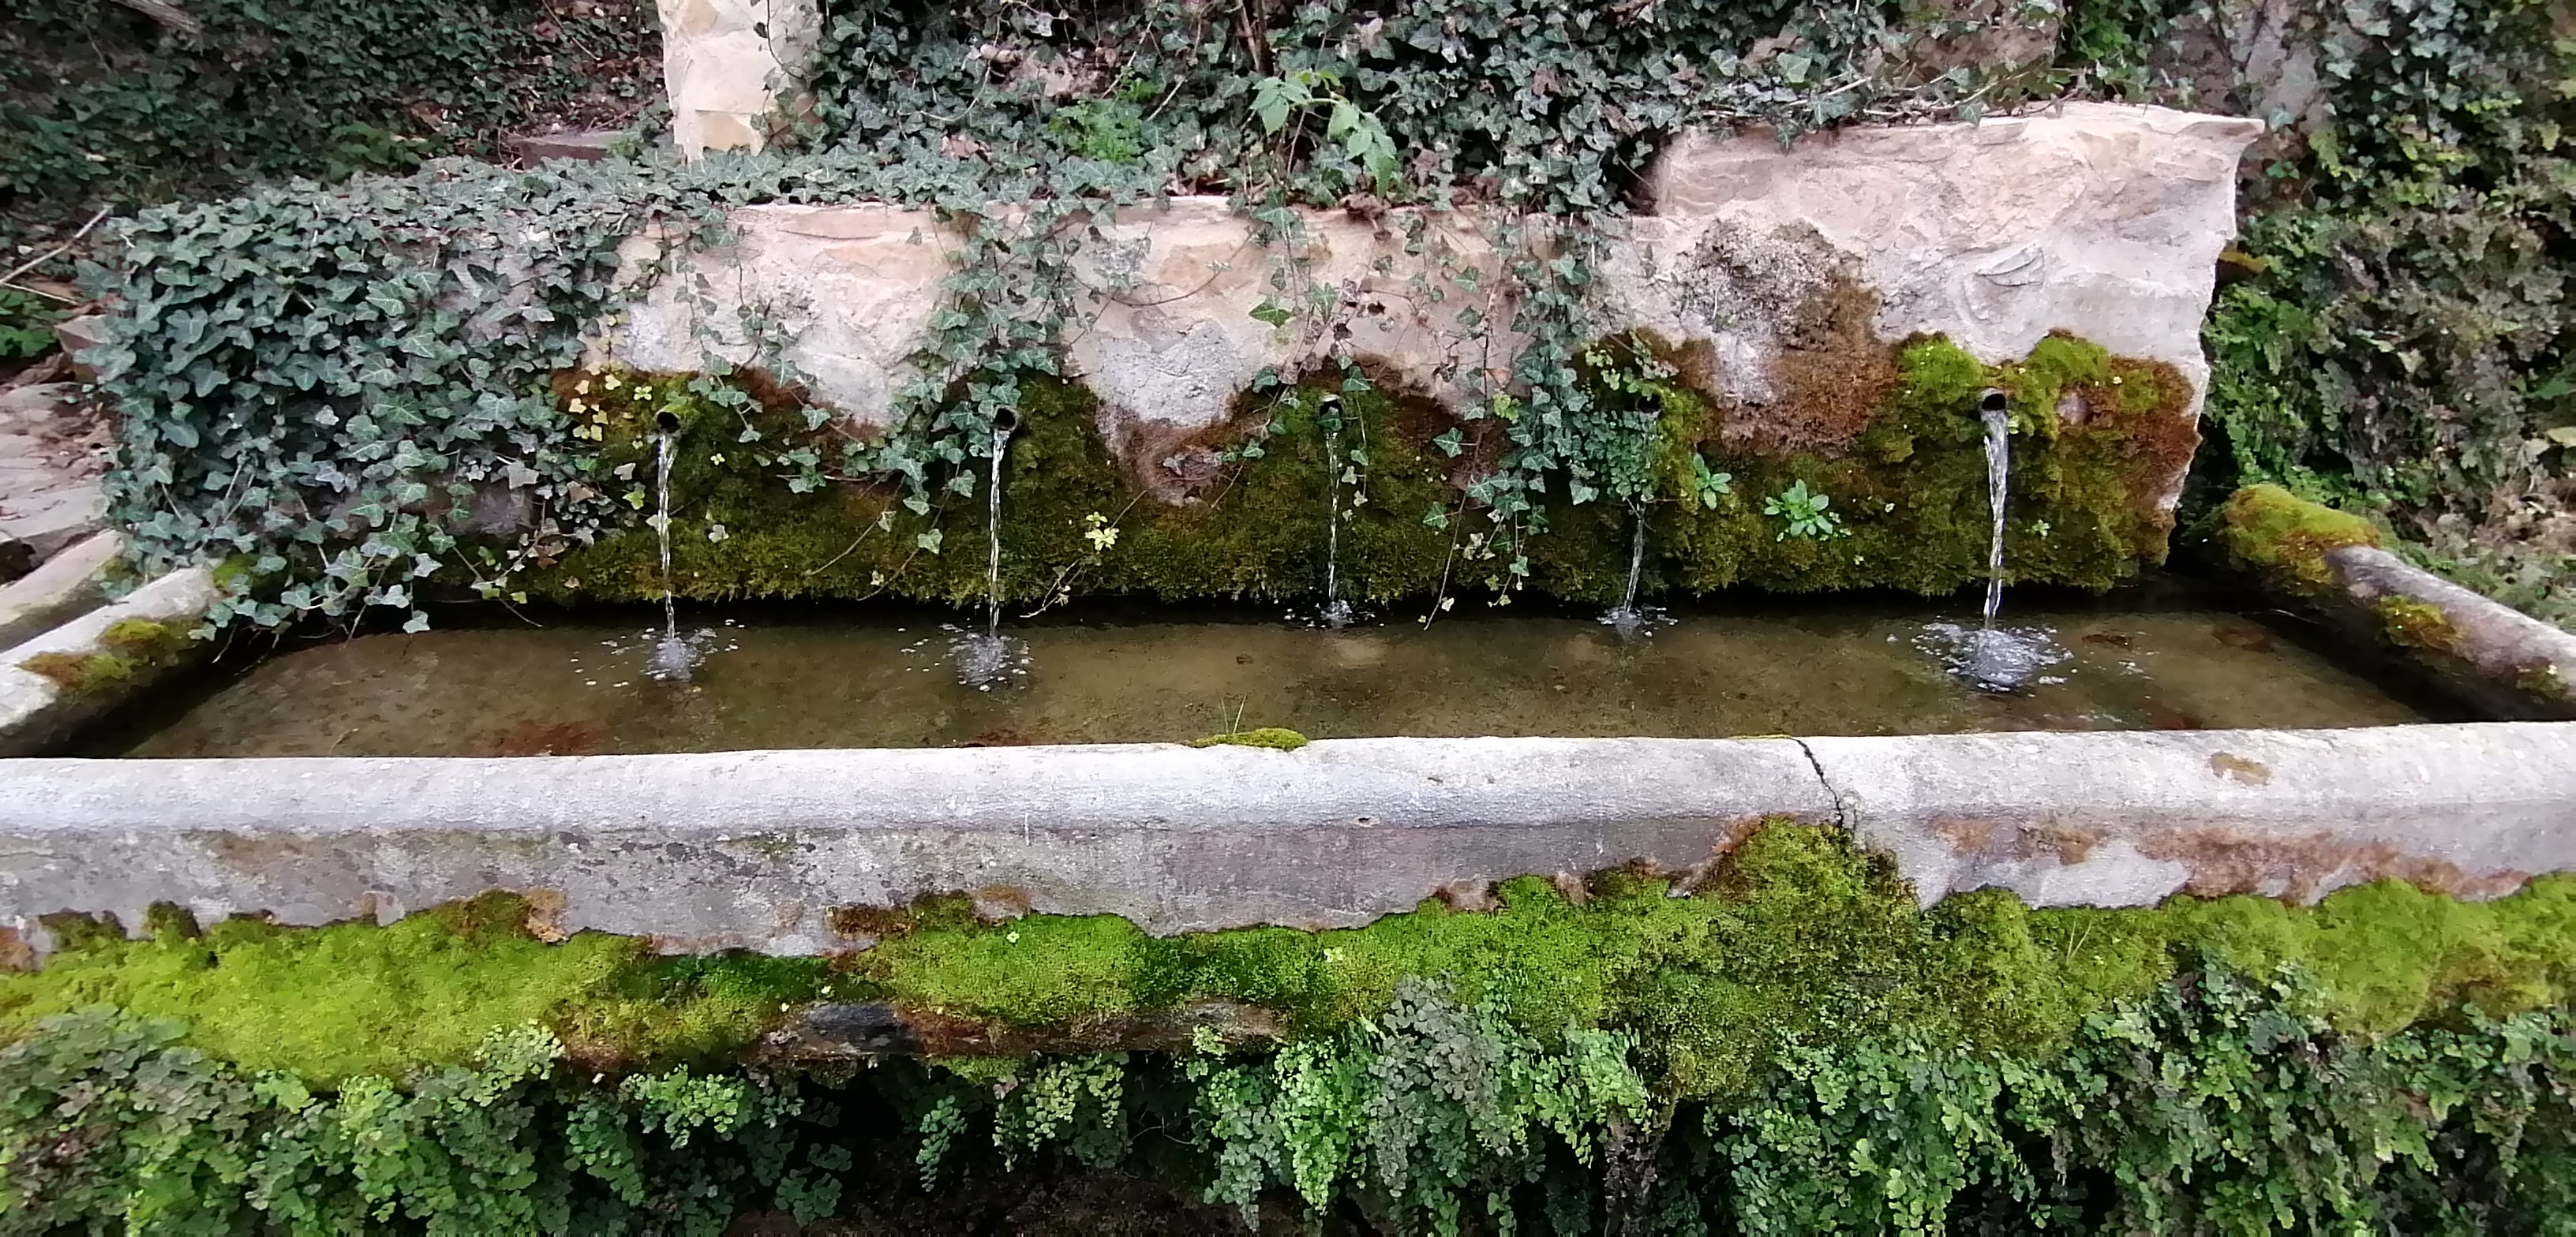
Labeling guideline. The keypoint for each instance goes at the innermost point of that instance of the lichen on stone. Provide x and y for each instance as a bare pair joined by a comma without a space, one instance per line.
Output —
82,674
2414,624
1277,738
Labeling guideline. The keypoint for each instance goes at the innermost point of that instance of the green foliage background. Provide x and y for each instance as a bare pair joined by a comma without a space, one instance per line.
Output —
2400,338
102,106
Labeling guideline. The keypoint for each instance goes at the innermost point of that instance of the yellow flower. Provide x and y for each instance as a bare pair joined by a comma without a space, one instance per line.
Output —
611,382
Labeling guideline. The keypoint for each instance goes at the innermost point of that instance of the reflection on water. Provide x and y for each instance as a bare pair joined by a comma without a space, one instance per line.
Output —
871,679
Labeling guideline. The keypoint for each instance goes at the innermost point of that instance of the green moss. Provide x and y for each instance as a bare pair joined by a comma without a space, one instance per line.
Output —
82,673
1910,491
134,646
2283,539
355,998
2413,624
1257,530
1278,738
1799,939
2543,680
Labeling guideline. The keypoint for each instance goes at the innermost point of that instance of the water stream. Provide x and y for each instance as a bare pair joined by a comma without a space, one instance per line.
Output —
673,656
1626,618
988,658
1997,659
1337,612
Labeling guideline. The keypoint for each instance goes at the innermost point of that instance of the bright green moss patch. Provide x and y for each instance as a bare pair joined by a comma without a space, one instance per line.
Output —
1278,738
351,999
133,646
1799,939
2284,539
1240,511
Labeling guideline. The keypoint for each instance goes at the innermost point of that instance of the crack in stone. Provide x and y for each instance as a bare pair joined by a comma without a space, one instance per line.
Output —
1842,816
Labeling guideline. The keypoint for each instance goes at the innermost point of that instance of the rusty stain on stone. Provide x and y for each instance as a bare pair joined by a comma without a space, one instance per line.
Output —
2237,768
2302,868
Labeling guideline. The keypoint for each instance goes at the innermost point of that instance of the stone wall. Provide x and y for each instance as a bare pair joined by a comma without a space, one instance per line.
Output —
727,65
1751,262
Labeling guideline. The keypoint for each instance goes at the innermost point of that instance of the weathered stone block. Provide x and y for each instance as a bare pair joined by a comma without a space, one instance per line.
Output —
1761,269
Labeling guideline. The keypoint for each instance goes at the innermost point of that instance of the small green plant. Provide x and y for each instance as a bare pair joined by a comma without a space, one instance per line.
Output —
1805,510
1361,135
1109,130
26,325
1710,486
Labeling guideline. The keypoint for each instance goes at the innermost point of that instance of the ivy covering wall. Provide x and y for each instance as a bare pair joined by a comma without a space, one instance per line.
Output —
104,105
1796,1048
2397,335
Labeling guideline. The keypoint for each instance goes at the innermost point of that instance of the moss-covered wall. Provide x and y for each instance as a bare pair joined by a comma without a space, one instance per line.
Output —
1803,940
2093,436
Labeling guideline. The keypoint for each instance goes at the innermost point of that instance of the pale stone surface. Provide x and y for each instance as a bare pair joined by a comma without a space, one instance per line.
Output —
65,588
52,449
2505,662
36,713
2101,220
726,63
1174,338
853,286
755,849
2098,219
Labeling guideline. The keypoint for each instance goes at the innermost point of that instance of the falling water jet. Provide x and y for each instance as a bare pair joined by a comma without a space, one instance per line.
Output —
1998,660
1337,612
673,656
986,659
1626,618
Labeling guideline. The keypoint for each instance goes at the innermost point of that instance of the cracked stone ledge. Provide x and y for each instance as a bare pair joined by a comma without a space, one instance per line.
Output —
756,850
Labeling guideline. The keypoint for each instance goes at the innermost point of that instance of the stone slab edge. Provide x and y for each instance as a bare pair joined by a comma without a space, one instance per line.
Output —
757,849
2505,662
37,713
64,588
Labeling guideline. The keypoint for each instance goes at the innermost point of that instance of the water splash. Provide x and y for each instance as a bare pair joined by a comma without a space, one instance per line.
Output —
1337,612
1627,618
673,656
2001,660
990,658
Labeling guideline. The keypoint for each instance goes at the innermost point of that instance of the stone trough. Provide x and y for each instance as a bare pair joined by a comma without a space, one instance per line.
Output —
771,851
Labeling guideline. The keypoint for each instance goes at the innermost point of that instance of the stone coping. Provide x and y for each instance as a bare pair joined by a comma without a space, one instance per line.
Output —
37,712
757,850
